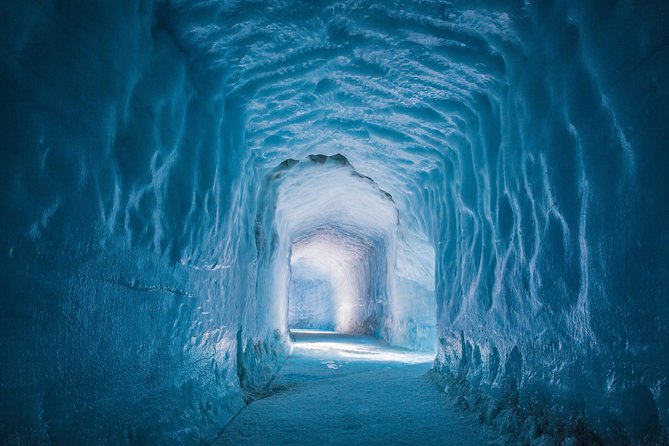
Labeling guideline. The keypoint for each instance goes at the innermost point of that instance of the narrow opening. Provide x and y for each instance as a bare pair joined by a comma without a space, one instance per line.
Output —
342,281
338,282
344,258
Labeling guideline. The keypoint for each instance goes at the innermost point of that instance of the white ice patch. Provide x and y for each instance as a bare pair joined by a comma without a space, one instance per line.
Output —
339,348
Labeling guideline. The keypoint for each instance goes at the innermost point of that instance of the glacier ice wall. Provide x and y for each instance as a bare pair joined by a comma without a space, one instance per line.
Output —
147,244
122,217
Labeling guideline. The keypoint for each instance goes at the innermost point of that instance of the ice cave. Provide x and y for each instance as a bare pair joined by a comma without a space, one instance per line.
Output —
334,222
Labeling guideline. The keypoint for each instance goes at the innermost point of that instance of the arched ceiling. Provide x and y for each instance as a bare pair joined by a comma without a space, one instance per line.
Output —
393,87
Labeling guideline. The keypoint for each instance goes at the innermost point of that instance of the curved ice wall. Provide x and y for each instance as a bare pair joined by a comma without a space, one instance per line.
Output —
522,144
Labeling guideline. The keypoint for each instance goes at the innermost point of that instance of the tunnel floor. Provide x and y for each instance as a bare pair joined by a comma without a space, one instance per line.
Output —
345,389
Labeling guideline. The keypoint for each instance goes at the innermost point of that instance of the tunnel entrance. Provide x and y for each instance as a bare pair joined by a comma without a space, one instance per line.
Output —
338,281
338,256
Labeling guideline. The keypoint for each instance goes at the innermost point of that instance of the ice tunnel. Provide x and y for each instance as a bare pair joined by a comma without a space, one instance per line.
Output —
185,181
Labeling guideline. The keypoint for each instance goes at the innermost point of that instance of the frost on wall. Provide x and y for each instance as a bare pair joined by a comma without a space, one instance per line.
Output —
552,262
146,267
123,262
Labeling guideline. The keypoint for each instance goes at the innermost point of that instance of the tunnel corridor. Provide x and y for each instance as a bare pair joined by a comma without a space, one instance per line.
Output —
334,222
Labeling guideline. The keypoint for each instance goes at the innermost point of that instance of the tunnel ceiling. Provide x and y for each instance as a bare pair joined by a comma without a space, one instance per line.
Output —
397,92
323,191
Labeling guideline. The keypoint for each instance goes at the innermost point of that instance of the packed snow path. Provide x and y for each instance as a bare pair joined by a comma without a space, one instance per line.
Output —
344,390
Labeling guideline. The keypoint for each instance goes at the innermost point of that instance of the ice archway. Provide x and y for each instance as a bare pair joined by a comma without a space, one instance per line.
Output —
147,241
328,218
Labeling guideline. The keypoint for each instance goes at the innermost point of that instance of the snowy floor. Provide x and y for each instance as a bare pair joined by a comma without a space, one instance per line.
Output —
341,389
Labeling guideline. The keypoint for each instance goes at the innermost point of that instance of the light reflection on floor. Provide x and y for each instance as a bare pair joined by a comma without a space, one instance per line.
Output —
332,346
344,389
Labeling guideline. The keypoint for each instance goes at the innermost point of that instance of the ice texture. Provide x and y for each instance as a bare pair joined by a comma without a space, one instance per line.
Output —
167,165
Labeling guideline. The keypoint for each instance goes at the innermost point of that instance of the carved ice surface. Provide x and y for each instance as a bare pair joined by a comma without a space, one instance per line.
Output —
182,180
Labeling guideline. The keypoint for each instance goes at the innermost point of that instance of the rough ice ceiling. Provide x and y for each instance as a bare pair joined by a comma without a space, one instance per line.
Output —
485,177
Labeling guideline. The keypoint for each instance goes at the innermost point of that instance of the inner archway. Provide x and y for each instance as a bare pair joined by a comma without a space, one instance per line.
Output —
345,259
